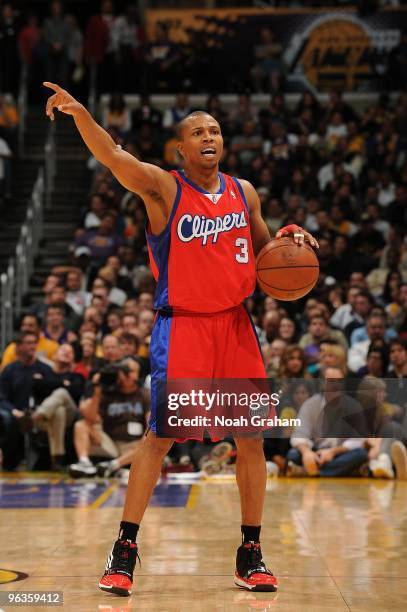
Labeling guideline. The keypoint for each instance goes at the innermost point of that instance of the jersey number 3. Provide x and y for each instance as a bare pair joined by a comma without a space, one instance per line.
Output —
243,255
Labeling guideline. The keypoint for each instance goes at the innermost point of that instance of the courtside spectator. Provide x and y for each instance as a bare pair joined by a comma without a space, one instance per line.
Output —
316,449
59,409
45,348
23,384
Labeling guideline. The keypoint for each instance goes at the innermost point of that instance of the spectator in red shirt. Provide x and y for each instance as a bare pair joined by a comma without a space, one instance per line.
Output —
28,39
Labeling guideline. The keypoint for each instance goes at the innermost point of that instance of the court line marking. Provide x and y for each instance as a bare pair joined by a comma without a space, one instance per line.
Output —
322,558
20,491
103,496
193,494
33,474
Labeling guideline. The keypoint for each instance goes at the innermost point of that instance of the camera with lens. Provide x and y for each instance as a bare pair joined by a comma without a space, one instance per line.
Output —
109,376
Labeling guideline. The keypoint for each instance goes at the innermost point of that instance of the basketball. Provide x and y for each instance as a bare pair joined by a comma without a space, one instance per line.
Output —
285,270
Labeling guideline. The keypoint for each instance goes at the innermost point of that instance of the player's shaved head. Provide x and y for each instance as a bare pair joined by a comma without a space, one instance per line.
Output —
186,120
200,142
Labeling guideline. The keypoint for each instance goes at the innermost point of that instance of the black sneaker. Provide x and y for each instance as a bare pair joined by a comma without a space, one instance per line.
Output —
57,463
118,576
251,573
105,469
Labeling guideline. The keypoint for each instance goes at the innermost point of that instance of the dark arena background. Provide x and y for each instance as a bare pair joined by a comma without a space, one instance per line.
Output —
312,102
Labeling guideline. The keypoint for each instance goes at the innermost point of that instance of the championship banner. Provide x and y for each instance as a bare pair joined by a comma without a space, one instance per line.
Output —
321,48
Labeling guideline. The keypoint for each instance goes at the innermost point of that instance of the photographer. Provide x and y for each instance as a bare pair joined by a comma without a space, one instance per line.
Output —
111,354
114,419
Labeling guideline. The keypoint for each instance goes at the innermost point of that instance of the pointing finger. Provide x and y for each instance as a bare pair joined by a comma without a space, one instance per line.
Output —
52,86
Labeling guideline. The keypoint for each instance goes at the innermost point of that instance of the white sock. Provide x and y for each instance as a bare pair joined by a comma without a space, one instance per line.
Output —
84,459
114,464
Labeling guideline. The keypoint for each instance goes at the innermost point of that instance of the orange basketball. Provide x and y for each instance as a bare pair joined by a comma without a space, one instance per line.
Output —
285,270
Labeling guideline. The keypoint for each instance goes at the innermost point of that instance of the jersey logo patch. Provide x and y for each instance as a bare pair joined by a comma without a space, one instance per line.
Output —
201,227
213,197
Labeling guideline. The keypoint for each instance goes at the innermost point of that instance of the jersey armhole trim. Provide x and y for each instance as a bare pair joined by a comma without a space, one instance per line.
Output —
242,194
156,237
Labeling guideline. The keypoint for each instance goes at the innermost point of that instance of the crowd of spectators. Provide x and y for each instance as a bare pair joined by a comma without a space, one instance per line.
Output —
339,173
60,46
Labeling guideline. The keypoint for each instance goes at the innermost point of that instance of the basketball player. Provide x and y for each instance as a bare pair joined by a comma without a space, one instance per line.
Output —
204,231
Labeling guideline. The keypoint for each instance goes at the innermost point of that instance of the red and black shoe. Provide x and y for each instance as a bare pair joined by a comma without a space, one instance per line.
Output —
251,573
118,576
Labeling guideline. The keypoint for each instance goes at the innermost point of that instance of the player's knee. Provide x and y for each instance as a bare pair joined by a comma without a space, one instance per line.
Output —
159,446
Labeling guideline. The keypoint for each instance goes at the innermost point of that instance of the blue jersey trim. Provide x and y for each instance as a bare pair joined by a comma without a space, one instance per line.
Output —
159,351
240,188
157,237
195,186
160,248
255,332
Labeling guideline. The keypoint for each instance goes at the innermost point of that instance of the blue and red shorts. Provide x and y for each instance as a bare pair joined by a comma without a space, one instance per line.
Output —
222,345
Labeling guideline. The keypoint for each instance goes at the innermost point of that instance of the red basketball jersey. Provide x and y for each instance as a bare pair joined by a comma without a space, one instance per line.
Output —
203,260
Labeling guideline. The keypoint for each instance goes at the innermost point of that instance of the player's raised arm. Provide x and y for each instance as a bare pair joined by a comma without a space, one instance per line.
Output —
155,185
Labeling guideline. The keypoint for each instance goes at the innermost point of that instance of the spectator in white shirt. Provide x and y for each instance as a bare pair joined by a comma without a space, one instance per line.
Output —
387,190
76,297
98,208
181,109
327,173
109,276
336,129
376,329
345,314
381,225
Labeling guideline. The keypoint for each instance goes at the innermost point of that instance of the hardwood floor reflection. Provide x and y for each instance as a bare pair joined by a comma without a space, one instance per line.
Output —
334,545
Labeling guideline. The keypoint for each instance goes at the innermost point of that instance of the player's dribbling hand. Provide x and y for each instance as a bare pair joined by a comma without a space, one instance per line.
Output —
300,235
62,100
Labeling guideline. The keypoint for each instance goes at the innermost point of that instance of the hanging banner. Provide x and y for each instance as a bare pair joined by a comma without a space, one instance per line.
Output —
321,48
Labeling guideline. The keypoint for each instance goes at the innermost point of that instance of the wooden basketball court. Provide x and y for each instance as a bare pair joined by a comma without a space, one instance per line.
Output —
334,544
